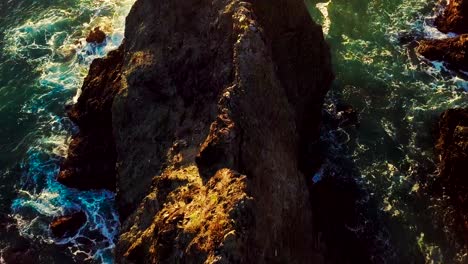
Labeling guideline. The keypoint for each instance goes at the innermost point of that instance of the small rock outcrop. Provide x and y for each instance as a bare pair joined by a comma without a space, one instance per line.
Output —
96,36
452,181
454,18
90,163
68,225
453,51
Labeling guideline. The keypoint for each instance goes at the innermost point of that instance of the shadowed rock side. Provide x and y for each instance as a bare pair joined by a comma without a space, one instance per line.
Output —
452,181
454,18
219,107
90,163
453,51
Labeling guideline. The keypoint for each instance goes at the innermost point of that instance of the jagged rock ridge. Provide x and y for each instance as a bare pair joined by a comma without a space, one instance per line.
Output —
215,106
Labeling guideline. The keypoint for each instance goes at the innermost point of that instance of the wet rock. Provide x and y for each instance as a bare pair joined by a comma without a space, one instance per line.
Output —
453,51
96,36
454,18
68,225
452,181
90,163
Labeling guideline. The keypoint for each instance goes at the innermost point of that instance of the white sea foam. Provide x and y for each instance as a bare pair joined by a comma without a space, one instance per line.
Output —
54,44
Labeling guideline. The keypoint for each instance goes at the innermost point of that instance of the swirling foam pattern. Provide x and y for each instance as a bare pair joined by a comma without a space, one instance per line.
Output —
48,49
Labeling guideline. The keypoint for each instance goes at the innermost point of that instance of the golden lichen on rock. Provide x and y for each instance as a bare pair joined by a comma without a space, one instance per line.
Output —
198,214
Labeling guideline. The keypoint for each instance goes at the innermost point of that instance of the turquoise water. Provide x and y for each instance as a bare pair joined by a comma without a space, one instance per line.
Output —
399,96
43,61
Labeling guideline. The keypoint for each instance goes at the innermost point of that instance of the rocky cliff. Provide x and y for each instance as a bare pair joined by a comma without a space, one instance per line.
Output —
452,180
214,109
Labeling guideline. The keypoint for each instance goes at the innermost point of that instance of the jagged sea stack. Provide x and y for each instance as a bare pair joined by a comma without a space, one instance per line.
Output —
216,110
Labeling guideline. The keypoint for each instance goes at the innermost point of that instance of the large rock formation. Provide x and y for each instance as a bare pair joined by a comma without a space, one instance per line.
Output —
217,106
454,18
452,182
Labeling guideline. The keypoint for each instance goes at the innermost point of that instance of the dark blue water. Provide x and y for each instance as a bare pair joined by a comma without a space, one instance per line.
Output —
43,61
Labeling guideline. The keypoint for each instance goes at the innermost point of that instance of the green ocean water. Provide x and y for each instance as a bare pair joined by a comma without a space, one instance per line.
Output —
399,96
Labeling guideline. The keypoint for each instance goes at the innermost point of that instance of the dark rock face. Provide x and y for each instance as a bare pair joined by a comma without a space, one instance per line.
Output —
454,18
227,95
214,108
90,163
68,225
452,150
454,51
96,36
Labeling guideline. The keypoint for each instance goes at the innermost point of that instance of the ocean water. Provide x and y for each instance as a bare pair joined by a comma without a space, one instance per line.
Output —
43,60
399,96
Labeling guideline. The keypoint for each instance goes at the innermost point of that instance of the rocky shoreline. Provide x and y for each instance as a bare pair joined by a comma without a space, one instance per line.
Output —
452,50
451,131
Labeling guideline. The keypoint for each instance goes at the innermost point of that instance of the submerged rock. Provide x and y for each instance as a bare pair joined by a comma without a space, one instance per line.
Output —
453,51
96,36
67,225
90,163
454,18
452,182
